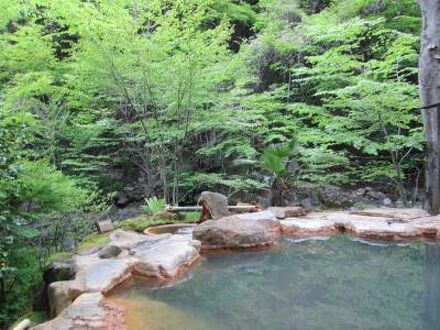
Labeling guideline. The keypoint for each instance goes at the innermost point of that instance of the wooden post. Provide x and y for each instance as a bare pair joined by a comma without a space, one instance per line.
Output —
429,81
104,226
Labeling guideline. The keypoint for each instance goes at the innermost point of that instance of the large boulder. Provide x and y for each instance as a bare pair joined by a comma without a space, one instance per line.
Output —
59,297
55,272
59,271
217,204
233,232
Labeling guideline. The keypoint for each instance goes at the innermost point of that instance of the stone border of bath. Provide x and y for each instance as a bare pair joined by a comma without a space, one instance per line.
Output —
78,302
154,230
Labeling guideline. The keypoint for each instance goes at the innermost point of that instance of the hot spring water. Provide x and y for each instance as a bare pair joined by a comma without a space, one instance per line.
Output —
338,283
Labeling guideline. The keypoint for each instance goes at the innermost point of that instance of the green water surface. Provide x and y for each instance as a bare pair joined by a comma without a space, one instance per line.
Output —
336,283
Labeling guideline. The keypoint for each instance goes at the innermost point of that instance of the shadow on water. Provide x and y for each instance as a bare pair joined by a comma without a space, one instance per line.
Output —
299,285
431,301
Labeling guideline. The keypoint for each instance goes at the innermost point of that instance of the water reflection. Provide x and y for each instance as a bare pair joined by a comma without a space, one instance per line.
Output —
431,302
324,284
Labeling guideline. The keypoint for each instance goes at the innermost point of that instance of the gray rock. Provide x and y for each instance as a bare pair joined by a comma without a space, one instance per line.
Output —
307,203
59,271
128,189
122,199
280,214
263,201
377,195
110,251
360,192
334,197
386,201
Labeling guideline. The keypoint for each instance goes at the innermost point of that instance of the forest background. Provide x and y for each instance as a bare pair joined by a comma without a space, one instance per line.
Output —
170,98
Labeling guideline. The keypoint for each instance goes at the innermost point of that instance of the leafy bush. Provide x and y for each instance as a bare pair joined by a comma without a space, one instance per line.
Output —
154,205
46,188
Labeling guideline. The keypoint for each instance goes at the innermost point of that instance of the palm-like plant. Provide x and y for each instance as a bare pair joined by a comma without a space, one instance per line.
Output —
276,160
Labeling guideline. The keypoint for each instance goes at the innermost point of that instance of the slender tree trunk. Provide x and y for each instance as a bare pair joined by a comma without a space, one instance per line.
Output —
429,81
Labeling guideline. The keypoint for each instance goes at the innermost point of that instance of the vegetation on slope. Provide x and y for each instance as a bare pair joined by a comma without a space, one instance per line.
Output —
174,94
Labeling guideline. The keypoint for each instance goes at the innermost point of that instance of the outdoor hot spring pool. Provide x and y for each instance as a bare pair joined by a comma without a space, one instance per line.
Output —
337,283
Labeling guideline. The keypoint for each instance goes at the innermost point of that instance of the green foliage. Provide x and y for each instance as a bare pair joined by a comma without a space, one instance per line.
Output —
154,205
170,95
92,241
48,189
275,158
220,182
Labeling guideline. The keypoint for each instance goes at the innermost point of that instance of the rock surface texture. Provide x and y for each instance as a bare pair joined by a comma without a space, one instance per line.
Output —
234,232
76,287
217,204
87,312
378,224
78,301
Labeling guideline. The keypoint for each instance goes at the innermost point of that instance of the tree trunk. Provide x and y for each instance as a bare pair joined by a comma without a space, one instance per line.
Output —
429,81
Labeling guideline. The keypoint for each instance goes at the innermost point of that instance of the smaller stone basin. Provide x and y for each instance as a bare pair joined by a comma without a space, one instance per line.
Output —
175,229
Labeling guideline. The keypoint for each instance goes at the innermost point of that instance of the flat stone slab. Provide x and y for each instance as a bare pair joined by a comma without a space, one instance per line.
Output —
381,229
102,275
87,312
160,256
165,259
428,226
308,227
404,214
127,240
274,213
288,212
390,228
262,215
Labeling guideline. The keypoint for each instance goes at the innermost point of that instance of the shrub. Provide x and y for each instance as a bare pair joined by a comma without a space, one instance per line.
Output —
154,205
